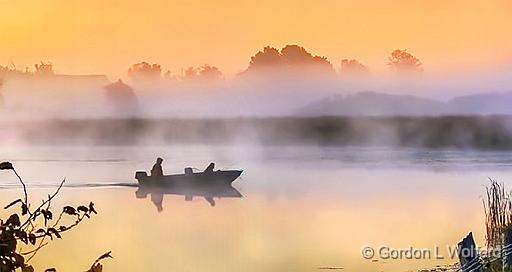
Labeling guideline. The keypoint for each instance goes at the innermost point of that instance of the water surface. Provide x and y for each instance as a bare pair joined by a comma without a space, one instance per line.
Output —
303,207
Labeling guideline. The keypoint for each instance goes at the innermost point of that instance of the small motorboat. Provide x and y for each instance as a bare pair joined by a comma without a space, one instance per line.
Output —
207,184
189,179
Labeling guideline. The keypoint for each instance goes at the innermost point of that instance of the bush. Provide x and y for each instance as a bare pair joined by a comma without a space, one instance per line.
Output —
33,227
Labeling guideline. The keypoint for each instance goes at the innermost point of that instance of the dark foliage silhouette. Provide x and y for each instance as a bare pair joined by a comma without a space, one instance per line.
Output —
295,55
31,228
44,69
6,71
268,58
352,66
208,72
122,97
1,97
9,70
291,58
403,61
205,73
144,70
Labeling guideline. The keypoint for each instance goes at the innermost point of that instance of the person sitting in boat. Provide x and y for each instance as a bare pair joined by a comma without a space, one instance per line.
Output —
157,171
210,168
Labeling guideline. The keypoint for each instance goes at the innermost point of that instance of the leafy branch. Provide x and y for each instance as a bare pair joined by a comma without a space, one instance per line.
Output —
33,227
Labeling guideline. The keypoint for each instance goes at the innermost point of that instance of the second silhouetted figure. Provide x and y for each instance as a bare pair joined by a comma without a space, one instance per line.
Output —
157,171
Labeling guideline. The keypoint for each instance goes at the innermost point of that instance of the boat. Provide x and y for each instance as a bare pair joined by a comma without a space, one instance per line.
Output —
208,184
189,179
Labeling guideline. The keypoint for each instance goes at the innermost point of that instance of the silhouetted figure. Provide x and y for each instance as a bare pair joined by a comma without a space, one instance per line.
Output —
210,168
209,184
157,171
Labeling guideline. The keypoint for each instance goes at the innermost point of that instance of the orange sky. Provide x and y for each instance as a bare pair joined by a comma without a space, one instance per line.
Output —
98,36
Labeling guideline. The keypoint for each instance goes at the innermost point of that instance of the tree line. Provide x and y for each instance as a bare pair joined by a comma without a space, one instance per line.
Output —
289,59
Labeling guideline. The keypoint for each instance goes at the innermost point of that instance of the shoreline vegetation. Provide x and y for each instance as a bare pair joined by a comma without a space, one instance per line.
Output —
497,257
479,132
24,233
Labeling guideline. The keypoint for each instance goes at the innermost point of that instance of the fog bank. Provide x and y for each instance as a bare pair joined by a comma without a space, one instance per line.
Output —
491,132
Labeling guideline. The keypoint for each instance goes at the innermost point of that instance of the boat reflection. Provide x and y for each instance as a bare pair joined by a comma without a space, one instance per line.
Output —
209,193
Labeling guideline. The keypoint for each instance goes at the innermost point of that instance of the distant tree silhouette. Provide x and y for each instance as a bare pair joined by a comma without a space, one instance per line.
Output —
208,72
352,66
190,73
6,71
403,61
291,58
1,97
205,72
295,55
322,64
122,97
144,70
269,57
44,69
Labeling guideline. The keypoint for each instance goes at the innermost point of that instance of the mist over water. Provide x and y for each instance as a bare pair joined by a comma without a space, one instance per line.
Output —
264,94
330,163
206,141
347,197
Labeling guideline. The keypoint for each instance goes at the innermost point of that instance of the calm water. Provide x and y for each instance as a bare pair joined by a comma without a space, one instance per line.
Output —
303,207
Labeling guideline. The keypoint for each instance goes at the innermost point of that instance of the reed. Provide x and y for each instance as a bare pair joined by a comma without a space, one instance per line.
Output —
498,213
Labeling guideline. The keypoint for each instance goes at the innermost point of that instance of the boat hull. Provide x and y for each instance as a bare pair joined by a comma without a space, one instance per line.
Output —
195,180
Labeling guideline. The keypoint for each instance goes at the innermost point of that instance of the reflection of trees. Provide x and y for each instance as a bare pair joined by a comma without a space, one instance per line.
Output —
403,61
290,58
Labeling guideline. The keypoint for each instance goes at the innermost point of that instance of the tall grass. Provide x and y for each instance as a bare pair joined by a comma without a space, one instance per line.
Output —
498,213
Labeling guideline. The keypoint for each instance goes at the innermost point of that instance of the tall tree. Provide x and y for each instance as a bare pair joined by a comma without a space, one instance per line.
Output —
296,55
205,72
403,61
267,58
208,72
144,70
290,58
352,66
44,69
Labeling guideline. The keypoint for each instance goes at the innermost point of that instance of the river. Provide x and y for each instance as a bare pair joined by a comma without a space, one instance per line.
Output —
303,208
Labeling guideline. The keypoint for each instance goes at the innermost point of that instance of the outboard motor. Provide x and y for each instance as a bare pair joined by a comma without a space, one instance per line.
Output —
141,174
